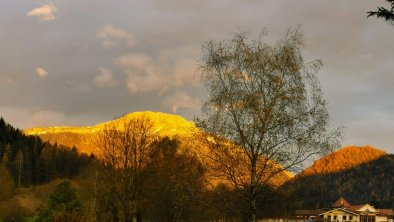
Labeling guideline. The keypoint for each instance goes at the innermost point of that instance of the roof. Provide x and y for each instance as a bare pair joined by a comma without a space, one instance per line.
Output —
355,207
342,205
341,209
341,202
388,212
309,212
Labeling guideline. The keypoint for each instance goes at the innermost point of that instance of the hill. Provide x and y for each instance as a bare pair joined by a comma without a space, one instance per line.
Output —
165,125
344,159
83,137
360,174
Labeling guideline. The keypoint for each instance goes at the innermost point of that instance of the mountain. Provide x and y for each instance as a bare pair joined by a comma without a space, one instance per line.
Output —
360,174
344,159
83,137
165,125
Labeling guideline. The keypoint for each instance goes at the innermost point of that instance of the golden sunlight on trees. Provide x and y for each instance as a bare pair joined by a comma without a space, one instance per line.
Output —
124,155
266,101
344,159
141,176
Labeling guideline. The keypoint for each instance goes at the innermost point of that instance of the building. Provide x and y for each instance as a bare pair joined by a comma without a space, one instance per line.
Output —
342,211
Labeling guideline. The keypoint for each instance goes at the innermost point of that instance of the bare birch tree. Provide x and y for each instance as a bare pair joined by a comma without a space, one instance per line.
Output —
268,103
124,154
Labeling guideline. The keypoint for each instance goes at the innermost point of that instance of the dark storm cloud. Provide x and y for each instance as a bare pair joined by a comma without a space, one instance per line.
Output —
82,62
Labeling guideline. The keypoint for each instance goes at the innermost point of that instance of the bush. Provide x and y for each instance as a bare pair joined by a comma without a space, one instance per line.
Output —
64,205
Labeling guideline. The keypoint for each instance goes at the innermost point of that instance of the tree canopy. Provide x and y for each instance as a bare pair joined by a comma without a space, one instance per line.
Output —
384,13
64,205
266,101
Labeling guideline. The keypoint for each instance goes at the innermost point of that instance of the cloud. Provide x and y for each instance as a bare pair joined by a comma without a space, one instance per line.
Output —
142,74
184,72
104,79
111,36
23,117
41,72
181,99
46,12
157,74
47,118
170,34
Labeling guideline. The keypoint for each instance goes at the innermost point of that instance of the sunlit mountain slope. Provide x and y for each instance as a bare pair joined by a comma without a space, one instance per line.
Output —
360,174
84,138
344,159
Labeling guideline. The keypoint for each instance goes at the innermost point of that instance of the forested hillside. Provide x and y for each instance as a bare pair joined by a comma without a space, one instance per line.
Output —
344,159
86,138
30,161
170,183
360,174
168,180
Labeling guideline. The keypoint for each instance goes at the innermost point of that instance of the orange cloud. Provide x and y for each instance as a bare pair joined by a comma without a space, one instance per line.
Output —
111,36
46,12
41,72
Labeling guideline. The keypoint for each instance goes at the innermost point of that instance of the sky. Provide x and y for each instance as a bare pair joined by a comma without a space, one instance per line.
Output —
83,62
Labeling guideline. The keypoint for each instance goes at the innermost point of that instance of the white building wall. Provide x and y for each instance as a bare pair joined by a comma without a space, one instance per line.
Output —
381,219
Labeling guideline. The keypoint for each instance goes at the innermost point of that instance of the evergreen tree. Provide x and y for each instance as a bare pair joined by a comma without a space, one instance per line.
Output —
30,161
384,13
64,204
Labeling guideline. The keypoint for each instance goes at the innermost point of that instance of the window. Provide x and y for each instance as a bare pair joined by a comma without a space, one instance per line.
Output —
335,217
350,217
344,217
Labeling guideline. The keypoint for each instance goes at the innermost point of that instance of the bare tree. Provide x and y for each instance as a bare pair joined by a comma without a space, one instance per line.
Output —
268,103
124,153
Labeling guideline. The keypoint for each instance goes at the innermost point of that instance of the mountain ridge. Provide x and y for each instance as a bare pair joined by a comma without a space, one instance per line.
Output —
153,116
165,125
361,174
343,159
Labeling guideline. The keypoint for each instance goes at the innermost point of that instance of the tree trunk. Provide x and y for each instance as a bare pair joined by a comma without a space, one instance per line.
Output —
126,213
115,217
20,161
252,192
138,215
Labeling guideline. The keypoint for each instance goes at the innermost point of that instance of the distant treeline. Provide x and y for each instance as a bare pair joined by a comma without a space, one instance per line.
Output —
30,161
